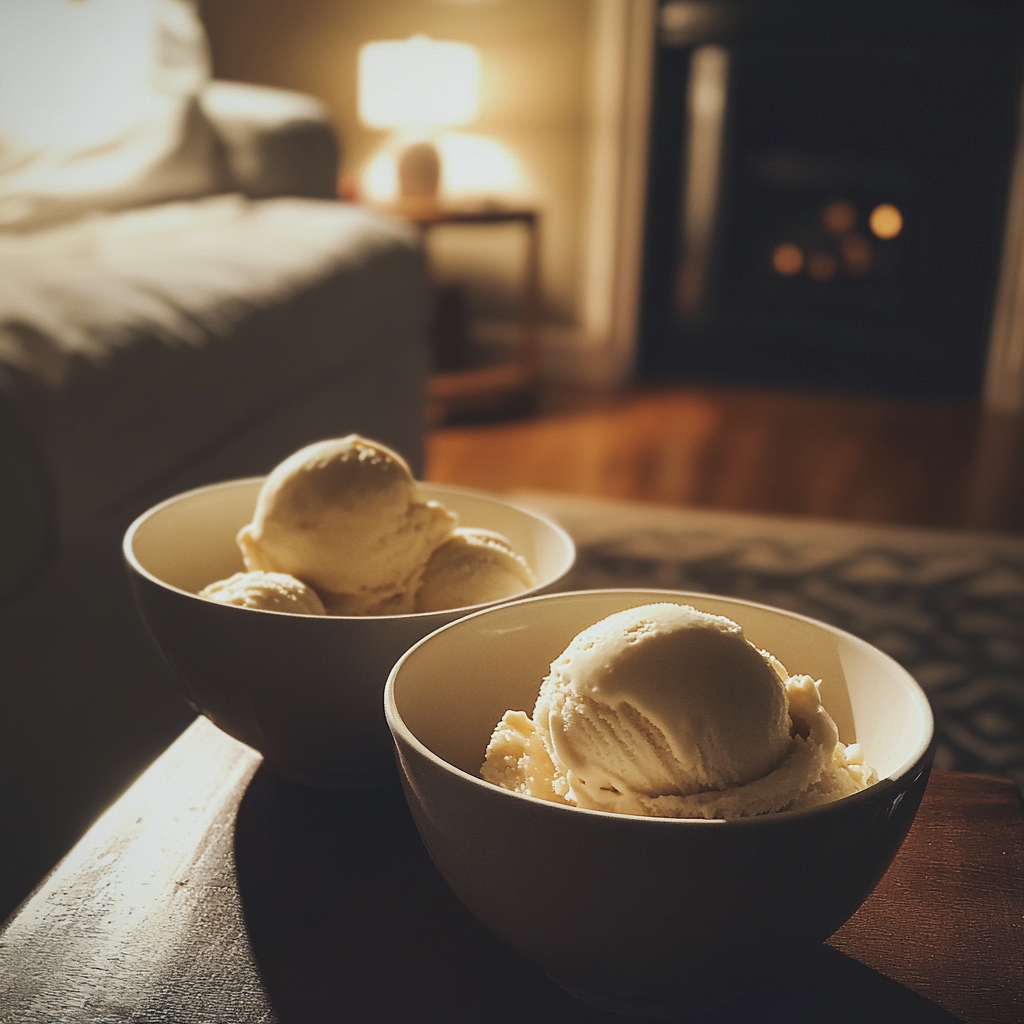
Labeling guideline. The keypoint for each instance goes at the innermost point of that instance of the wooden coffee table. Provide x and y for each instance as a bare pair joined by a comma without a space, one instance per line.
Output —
214,891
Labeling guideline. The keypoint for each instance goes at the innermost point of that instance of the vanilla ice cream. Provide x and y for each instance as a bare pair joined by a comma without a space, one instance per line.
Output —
668,711
472,567
345,516
270,591
346,521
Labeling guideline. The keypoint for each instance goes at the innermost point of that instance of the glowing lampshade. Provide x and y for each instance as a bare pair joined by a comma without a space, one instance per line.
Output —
418,84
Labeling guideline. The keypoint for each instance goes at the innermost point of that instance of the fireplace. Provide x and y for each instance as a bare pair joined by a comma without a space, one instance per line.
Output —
827,191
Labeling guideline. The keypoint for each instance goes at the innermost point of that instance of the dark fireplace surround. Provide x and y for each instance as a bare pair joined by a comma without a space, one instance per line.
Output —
827,193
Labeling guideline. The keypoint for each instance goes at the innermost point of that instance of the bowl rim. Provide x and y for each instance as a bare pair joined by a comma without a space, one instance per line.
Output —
128,552
919,757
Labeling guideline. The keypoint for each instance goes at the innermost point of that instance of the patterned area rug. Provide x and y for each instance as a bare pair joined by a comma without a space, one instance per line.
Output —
948,606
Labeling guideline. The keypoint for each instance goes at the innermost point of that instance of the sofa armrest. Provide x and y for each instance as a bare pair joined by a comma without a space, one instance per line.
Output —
276,142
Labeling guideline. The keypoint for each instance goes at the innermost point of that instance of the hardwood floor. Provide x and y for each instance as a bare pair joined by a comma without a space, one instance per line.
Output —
875,460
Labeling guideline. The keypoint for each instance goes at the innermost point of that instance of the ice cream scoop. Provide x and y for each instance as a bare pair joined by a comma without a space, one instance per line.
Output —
269,591
346,517
666,710
472,567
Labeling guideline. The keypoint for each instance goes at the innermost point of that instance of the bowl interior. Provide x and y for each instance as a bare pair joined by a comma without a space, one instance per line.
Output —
189,541
450,690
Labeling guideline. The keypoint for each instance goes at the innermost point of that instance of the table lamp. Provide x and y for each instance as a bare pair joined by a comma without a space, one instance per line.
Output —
416,87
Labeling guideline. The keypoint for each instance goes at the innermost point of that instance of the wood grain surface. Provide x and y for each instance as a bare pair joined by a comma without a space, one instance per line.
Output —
878,460
214,891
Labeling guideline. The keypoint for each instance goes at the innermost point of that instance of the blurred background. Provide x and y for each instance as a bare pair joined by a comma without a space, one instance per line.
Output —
757,148
803,200
531,130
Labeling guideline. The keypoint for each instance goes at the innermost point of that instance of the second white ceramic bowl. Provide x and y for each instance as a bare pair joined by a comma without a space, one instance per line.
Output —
304,690
648,915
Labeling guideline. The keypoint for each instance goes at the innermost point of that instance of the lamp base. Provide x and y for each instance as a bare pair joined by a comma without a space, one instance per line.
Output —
419,171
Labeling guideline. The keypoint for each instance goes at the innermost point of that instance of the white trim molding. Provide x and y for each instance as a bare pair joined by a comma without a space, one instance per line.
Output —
620,66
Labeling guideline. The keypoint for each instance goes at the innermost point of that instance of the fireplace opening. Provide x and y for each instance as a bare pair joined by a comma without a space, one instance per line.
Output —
827,193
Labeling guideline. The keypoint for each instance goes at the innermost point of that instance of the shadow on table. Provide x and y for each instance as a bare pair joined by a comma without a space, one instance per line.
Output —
349,920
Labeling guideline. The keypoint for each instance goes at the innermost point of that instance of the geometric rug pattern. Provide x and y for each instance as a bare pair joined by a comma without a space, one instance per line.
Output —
948,606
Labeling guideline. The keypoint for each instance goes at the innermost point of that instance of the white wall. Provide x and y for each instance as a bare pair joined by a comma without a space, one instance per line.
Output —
564,88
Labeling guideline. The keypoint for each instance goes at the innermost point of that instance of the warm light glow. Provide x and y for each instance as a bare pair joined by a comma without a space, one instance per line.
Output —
857,258
886,221
76,75
788,259
472,167
475,165
418,83
822,266
380,177
838,218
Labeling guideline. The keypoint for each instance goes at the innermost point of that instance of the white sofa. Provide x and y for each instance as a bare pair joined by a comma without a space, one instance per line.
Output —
149,349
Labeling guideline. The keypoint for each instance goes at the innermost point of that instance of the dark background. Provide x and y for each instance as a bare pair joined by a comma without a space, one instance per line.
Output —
904,103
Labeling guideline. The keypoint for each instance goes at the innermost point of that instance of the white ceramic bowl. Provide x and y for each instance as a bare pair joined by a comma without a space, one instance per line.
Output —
304,690
648,915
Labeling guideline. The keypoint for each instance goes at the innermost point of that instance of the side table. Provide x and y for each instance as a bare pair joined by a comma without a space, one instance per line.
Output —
484,388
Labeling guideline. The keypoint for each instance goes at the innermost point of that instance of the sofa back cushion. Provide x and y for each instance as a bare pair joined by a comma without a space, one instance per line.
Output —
99,108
